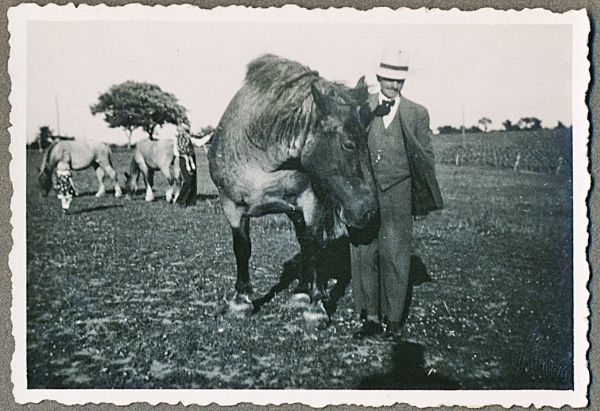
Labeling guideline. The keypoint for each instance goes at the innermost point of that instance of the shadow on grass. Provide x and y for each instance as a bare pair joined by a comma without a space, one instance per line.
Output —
93,193
407,372
97,208
203,197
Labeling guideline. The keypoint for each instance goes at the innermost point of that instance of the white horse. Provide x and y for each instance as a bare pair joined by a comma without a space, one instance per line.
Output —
79,155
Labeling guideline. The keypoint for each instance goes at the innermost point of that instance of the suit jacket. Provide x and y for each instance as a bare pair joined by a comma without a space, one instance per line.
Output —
414,120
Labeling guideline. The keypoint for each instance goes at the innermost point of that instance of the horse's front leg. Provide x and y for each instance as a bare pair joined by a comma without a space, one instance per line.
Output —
242,248
149,181
169,195
308,251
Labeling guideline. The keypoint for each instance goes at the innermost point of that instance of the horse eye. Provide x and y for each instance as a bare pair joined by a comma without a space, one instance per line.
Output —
349,145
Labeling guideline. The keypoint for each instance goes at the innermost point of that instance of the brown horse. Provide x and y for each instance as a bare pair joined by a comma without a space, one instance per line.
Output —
79,154
292,142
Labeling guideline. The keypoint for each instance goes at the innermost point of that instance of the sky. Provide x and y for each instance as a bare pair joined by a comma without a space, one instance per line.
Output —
495,71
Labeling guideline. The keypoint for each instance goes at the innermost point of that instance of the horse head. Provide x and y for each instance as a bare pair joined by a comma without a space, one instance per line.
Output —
337,158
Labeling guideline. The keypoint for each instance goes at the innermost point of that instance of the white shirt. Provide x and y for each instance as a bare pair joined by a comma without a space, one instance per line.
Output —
387,119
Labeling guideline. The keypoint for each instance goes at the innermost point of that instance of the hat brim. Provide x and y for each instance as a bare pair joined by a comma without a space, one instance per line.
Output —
392,74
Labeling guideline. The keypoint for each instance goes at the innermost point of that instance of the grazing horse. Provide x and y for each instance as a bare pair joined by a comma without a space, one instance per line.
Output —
148,157
79,154
292,142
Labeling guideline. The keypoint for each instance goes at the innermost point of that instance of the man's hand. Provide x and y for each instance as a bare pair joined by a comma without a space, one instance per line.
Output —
419,217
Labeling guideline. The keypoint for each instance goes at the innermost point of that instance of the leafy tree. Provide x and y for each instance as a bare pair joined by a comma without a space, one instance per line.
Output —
133,105
473,129
485,122
530,123
509,126
448,130
560,126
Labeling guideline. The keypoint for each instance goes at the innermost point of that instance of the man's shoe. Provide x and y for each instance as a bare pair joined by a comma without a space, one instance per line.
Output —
394,331
369,329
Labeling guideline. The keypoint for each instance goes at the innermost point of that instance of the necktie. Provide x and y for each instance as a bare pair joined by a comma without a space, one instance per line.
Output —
383,109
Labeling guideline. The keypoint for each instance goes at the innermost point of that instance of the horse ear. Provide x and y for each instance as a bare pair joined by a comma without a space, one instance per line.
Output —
360,93
126,175
361,83
321,100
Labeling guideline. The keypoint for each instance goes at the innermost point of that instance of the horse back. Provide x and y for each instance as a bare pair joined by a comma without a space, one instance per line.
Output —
79,154
155,154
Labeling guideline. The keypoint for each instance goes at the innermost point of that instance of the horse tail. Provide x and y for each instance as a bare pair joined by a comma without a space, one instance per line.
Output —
46,163
134,168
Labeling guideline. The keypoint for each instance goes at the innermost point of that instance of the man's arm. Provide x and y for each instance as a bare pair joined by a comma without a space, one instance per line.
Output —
424,133
199,142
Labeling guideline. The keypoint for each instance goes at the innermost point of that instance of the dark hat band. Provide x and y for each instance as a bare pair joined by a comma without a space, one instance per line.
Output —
391,67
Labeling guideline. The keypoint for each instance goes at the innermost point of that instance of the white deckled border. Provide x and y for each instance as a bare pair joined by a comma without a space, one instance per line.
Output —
20,15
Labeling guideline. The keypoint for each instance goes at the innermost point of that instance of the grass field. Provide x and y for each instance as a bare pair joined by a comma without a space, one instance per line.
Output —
129,294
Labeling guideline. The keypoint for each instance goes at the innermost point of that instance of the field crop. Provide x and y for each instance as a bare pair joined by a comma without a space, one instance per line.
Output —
540,151
129,294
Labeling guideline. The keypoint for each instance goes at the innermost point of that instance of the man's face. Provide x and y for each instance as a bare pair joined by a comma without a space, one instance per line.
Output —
390,88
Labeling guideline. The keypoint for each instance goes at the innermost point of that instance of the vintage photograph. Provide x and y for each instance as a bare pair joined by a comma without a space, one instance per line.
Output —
272,205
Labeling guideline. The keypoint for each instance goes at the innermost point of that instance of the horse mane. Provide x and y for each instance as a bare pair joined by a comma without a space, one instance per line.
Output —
281,100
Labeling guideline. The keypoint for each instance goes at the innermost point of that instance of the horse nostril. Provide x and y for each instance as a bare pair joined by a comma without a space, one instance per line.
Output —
369,215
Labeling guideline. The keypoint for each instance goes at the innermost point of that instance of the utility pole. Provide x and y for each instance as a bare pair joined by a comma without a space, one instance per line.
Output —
57,115
462,128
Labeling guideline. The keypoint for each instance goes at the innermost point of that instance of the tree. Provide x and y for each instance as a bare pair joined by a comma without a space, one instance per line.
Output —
448,130
530,123
485,122
133,105
560,126
509,126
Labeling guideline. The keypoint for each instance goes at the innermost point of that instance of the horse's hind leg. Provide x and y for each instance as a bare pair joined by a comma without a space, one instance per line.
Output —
242,248
113,176
100,177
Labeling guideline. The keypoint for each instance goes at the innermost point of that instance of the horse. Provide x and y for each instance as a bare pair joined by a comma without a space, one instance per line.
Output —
79,154
292,142
148,157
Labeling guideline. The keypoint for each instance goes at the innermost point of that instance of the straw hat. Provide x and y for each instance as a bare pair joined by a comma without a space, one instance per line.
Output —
393,65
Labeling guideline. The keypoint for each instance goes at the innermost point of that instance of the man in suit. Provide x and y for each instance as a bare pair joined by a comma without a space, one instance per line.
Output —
402,158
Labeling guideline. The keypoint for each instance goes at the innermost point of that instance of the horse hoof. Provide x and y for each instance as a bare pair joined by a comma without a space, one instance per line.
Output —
99,194
241,306
149,199
316,314
300,300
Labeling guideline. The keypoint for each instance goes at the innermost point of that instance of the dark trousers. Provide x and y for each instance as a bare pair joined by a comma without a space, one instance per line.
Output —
380,270
188,193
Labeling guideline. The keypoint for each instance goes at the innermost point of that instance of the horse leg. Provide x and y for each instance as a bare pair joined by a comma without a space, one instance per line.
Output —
308,251
100,176
113,176
242,248
167,172
149,180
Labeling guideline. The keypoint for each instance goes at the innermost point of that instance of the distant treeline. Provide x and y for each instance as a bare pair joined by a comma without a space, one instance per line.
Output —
524,123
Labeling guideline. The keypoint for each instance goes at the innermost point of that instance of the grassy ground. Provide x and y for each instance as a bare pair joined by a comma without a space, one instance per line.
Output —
129,294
